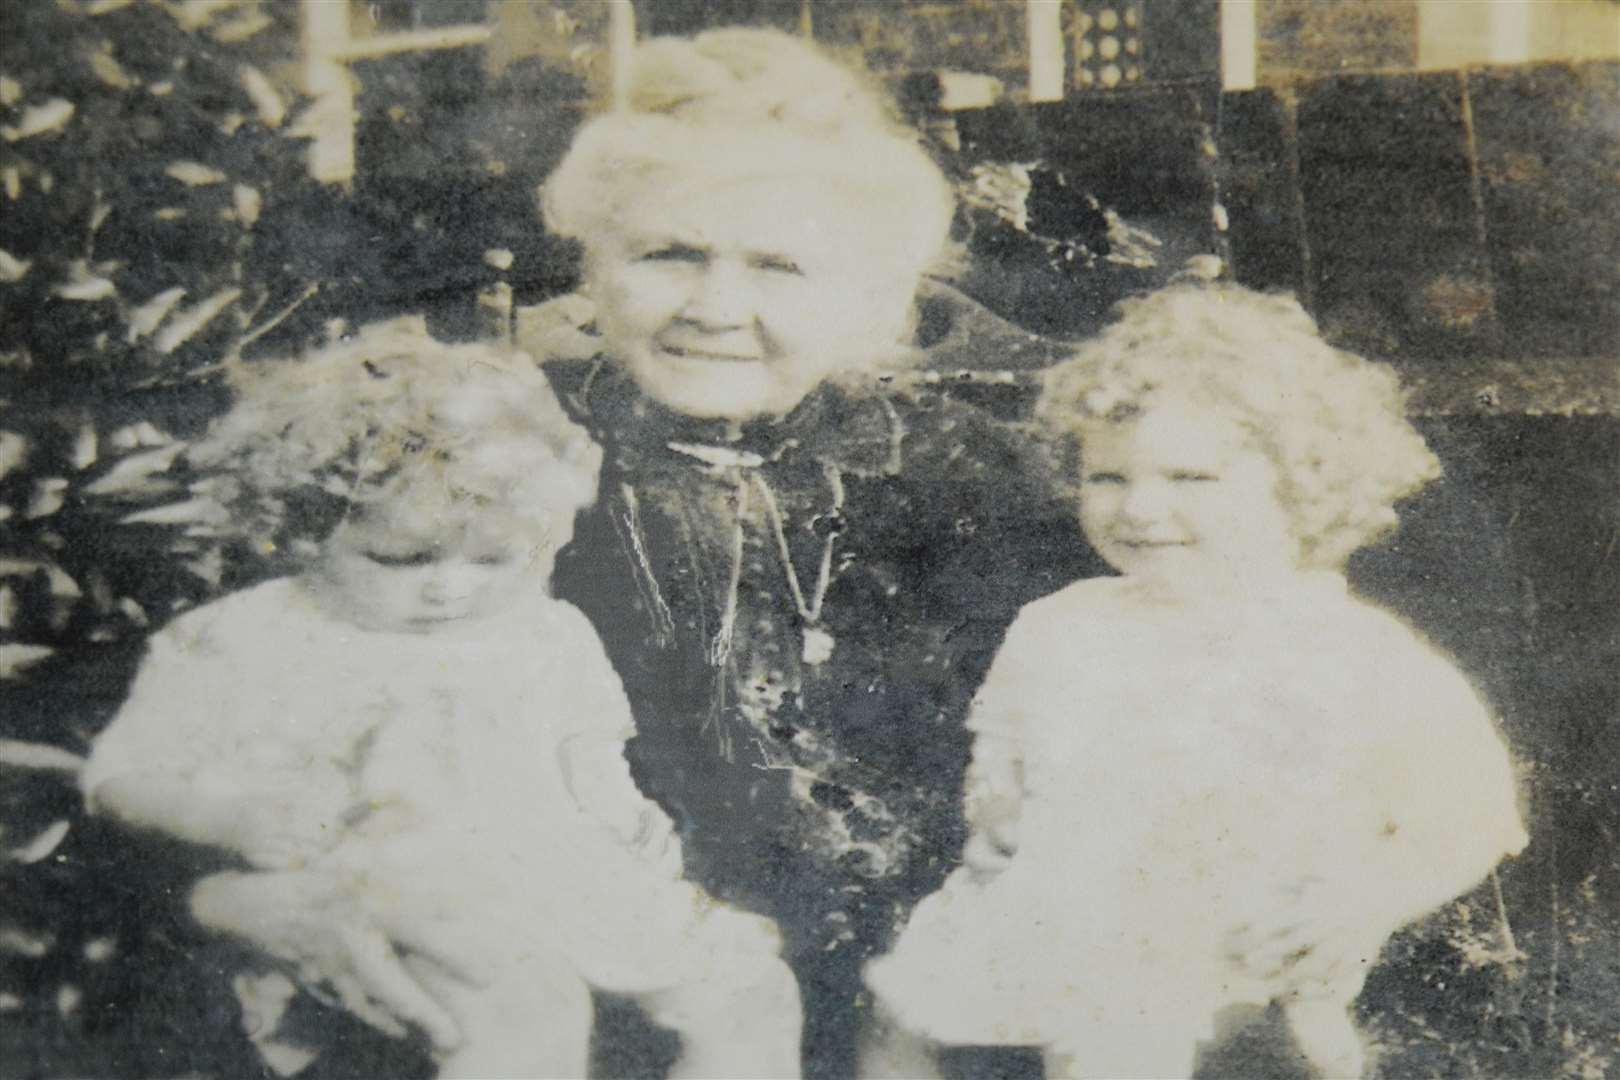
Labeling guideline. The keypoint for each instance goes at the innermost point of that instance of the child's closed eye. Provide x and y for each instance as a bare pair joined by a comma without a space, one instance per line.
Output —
1105,478
1190,476
778,264
396,559
676,253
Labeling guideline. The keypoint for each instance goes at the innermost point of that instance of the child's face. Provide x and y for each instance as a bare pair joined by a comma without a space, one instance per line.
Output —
1183,499
388,569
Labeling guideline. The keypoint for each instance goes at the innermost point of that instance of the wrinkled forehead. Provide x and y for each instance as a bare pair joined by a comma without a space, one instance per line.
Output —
828,220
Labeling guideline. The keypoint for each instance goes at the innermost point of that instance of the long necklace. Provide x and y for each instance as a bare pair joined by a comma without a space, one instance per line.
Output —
818,642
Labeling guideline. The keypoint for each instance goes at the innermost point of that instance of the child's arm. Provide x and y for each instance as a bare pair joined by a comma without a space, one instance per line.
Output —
992,802
995,784
1454,798
1433,763
590,752
175,760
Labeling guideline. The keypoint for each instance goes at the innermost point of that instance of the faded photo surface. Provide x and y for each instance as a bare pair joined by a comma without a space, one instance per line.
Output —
827,538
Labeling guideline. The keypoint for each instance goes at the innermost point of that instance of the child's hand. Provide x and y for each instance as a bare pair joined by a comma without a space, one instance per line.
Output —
1316,934
336,937
991,846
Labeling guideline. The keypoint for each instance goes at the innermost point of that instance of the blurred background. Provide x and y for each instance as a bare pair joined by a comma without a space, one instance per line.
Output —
183,181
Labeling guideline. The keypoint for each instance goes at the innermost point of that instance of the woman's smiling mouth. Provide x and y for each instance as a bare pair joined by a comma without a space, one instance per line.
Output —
687,353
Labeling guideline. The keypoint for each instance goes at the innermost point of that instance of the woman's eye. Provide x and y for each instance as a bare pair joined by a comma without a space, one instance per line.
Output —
1105,478
1191,476
395,560
677,253
777,264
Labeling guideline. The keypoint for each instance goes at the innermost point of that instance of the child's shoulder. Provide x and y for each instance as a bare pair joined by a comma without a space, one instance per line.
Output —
251,611
1074,607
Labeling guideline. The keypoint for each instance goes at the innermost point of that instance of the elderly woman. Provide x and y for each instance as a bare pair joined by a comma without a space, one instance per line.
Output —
800,569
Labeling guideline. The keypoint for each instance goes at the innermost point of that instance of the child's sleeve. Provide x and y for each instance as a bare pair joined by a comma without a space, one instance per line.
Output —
1453,810
175,716
590,755
996,776
175,759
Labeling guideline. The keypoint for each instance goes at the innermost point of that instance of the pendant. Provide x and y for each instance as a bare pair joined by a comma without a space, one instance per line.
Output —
818,645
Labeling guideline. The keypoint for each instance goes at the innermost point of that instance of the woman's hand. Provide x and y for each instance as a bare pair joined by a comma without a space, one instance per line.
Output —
322,924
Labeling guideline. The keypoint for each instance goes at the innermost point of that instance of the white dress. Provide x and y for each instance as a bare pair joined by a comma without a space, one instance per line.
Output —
1182,766
497,807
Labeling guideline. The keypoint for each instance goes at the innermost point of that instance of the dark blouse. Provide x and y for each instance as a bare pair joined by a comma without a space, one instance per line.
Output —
801,612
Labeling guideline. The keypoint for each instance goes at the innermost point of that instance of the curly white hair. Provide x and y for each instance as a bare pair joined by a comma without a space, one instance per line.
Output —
1333,423
389,414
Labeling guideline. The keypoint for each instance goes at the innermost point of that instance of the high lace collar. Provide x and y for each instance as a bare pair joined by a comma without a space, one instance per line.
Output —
860,434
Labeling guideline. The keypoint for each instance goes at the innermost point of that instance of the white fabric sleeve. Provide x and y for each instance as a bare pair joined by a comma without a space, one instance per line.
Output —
1453,791
591,755
995,775
176,716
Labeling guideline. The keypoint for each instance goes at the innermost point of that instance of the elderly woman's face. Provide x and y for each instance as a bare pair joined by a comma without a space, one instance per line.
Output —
736,301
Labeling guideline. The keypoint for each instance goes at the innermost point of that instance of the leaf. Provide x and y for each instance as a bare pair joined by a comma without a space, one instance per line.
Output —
193,14
40,120
133,475
272,110
13,452
191,512
85,284
84,447
42,845
241,29
13,658
10,91
102,7
145,319
248,204
12,269
143,433
193,319
49,495
195,174
210,567
31,755
107,68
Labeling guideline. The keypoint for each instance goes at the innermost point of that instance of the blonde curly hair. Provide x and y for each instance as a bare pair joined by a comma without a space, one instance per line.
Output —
388,414
1333,423
742,103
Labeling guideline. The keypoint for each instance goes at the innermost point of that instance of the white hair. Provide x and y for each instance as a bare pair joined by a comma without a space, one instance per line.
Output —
1332,422
741,104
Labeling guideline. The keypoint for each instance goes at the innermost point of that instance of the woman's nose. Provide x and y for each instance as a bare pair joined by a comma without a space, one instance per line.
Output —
721,298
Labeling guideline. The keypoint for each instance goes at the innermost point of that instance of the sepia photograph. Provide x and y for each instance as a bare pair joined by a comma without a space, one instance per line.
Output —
842,539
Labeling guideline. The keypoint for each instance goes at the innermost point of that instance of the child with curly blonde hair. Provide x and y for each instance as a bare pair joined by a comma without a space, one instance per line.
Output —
413,716
1218,778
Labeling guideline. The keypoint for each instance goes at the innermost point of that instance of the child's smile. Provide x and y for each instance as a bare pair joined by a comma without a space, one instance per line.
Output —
1183,499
